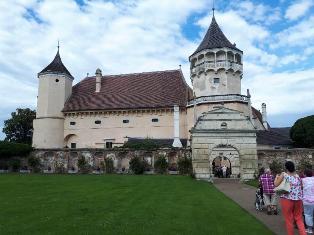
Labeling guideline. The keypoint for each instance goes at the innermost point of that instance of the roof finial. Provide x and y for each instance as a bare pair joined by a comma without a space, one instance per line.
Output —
213,8
58,45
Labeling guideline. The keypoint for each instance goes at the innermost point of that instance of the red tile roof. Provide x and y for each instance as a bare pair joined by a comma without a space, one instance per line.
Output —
130,91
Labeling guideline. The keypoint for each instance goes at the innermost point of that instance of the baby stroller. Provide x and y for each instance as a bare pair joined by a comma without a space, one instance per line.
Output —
259,202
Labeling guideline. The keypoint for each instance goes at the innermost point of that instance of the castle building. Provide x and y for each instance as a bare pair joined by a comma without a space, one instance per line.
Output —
214,119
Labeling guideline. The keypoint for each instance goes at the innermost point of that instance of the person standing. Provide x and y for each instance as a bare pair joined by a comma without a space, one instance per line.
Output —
266,180
224,171
291,203
308,199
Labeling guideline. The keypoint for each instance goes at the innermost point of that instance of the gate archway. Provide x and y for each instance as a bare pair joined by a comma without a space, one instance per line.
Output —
225,155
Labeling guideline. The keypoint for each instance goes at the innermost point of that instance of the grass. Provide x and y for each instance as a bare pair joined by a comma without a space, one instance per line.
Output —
117,204
253,183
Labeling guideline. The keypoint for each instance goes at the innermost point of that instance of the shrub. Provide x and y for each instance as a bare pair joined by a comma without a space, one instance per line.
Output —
185,165
15,164
4,165
161,165
173,167
108,165
304,164
137,165
83,165
276,167
34,163
8,149
59,168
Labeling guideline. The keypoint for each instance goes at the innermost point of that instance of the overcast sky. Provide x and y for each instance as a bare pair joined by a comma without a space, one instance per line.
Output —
128,36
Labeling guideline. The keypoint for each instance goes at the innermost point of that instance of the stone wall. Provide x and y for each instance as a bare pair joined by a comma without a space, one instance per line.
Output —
53,160
266,156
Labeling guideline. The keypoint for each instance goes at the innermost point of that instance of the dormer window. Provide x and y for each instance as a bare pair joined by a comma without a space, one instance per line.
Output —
224,125
216,80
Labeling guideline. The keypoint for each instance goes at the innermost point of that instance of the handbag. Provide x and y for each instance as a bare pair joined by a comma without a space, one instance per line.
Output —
284,187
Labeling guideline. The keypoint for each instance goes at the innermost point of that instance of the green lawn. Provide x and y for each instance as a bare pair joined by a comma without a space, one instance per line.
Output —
117,204
253,183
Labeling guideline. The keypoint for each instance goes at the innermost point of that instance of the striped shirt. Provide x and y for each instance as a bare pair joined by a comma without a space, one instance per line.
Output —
267,182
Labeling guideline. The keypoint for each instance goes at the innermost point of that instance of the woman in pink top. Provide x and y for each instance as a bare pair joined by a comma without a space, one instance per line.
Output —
308,199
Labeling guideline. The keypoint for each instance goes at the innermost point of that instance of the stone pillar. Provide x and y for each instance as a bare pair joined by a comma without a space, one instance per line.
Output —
264,115
98,80
176,126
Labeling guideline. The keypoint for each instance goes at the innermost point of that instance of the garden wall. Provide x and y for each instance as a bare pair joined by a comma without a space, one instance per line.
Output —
67,160
266,156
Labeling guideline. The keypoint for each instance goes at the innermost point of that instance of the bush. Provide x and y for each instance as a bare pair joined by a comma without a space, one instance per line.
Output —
305,164
108,165
276,167
15,164
137,165
83,165
34,163
302,132
185,166
8,149
161,165
4,165
59,168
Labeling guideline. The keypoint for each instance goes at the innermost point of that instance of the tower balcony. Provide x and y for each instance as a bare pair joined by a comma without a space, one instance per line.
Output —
218,99
220,64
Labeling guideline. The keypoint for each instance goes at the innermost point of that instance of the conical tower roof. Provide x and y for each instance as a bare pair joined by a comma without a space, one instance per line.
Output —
215,38
56,67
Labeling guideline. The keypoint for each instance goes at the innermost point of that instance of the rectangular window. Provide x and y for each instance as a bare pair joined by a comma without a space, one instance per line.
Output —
108,145
73,145
216,80
126,121
72,123
155,120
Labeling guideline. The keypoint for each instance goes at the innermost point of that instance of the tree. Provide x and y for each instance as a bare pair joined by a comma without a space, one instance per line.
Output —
302,132
19,128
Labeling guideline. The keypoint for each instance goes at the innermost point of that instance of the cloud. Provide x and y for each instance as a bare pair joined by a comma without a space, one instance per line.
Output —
298,9
285,92
298,35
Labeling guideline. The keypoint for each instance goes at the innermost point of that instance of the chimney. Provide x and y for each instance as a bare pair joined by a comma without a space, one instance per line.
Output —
264,116
176,126
98,79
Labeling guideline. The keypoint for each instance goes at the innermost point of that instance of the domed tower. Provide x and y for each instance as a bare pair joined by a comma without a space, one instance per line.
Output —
55,86
216,65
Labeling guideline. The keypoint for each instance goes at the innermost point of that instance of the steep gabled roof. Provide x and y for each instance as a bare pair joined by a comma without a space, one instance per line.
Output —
215,38
130,91
56,66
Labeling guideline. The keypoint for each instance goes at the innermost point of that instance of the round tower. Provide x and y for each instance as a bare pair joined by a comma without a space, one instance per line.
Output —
216,65
55,86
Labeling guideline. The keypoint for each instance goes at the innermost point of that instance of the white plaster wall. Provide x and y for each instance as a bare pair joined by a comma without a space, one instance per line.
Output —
112,128
52,95
48,133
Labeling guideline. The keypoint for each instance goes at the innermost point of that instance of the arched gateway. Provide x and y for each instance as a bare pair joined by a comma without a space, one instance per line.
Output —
228,135
224,156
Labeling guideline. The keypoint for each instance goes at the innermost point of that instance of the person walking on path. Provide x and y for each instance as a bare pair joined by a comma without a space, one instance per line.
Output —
291,203
308,199
270,198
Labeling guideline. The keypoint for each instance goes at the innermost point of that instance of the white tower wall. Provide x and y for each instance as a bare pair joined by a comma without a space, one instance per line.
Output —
53,91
